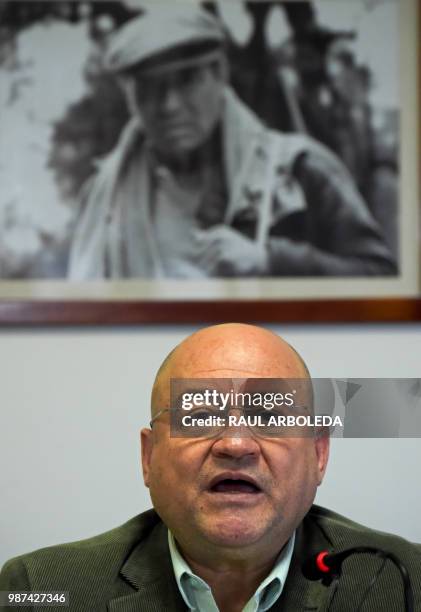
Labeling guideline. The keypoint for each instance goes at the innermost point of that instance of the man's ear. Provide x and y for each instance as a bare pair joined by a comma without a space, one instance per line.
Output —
322,445
146,446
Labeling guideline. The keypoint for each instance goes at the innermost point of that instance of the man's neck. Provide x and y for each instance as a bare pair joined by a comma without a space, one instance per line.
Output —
232,588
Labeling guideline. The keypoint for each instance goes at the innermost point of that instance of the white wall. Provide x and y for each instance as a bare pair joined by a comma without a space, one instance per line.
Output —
73,401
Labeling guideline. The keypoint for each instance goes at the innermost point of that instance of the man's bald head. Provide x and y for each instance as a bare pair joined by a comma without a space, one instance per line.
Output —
230,348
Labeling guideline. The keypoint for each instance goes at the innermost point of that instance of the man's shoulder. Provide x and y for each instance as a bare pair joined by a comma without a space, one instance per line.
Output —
103,552
302,150
344,532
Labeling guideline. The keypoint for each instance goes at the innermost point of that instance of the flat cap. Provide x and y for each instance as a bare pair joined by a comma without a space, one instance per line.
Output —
159,30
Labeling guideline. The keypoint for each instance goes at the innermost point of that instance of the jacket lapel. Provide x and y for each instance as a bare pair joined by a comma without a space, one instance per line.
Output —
300,593
149,571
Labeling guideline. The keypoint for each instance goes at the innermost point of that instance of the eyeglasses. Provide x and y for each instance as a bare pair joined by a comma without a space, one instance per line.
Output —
210,422
158,414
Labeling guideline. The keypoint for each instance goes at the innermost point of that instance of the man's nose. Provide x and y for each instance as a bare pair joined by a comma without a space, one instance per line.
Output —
238,445
170,99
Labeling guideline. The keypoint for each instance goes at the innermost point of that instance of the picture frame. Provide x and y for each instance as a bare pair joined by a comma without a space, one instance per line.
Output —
31,301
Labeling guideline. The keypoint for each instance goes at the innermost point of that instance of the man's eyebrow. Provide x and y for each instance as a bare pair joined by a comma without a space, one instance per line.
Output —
190,391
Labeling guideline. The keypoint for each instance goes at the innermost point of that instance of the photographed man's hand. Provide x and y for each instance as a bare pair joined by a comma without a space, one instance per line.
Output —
224,251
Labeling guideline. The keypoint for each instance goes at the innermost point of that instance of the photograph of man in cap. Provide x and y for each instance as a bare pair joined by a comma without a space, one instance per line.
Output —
197,186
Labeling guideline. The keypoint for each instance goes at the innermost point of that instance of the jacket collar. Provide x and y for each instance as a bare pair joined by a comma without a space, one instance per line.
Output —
148,569
300,593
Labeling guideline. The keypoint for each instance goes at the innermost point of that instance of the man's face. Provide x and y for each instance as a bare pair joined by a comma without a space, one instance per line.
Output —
180,108
180,472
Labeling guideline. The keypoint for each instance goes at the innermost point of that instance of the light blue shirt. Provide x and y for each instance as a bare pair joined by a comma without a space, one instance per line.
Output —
198,595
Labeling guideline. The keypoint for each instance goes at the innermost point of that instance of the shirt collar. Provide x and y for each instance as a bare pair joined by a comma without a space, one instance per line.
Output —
266,594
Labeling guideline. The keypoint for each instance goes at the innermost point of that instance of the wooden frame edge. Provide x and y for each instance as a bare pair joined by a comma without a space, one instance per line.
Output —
101,313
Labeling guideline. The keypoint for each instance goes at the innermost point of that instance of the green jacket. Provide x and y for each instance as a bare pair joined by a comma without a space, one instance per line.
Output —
129,569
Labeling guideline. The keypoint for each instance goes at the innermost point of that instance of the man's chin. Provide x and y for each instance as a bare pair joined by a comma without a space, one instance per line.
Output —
234,532
177,148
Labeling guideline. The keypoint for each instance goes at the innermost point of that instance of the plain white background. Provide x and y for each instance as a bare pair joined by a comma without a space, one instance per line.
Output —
73,401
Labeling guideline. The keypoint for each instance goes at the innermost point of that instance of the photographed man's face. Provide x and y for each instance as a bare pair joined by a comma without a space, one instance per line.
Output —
179,109
179,471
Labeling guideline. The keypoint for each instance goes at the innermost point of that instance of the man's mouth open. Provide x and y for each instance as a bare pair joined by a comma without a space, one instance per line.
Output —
228,485
234,486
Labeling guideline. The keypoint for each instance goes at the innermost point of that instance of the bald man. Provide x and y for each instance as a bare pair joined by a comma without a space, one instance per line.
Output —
233,519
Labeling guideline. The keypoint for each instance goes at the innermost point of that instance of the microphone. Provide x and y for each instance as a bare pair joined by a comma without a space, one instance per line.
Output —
322,566
326,566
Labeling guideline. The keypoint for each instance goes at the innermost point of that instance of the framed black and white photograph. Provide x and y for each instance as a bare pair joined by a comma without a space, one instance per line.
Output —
163,158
